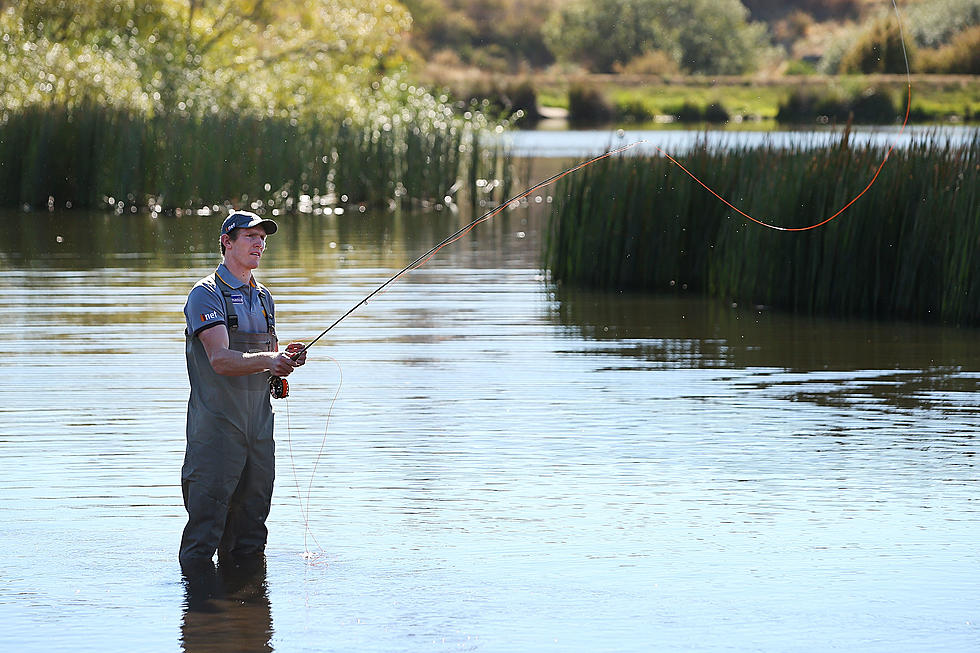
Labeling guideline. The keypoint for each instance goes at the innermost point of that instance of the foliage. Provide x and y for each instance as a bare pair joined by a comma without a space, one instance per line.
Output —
632,110
871,105
797,67
703,36
487,33
820,9
510,99
905,249
415,150
879,50
285,58
934,23
960,56
652,62
587,105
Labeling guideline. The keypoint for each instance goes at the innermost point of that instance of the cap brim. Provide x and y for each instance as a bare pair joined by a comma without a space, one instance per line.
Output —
269,226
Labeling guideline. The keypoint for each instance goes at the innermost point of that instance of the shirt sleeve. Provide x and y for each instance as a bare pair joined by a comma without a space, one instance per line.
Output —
204,308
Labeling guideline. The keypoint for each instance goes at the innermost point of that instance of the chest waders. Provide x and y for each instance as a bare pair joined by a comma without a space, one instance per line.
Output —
229,464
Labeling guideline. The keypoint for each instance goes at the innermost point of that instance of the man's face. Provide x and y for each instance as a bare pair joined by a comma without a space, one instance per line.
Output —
247,249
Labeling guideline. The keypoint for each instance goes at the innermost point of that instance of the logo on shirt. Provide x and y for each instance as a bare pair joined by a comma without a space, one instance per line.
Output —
237,298
213,315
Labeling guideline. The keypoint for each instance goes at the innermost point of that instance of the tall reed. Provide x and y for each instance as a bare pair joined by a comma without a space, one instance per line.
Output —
90,155
906,249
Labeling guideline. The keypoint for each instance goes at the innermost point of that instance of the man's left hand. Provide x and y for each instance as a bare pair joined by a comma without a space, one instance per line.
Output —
297,351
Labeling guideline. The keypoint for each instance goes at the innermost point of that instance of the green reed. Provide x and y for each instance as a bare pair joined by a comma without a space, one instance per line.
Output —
904,250
90,155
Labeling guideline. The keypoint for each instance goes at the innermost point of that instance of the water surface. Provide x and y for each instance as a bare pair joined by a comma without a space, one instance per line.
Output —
682,139
509,466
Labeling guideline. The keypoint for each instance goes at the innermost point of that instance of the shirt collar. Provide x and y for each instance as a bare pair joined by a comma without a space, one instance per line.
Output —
231,280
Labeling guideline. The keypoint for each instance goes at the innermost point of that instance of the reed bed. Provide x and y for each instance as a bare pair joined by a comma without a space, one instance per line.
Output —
98,157
904,250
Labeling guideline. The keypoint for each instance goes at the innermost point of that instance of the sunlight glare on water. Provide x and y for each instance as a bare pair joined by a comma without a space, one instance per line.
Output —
508,466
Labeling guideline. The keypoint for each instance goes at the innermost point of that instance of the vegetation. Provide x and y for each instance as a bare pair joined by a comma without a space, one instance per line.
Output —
94,157
880,50
935,23
938,40
497,35
760,103
666,37
650,78
961,55
284,59
705,36
178,104
868,106
904,250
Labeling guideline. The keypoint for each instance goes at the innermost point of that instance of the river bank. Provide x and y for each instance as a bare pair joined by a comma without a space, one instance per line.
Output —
935,98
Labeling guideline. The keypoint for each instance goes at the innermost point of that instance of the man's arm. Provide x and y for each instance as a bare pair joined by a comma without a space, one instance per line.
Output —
229,362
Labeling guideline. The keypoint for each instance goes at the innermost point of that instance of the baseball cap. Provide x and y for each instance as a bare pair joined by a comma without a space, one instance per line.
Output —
245,219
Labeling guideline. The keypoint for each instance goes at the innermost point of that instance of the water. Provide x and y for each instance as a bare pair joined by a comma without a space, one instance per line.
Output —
508,466
681,140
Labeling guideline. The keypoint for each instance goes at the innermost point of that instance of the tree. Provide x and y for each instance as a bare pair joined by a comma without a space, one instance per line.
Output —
715,37
879,50
282,58
604,33
702,36
506,29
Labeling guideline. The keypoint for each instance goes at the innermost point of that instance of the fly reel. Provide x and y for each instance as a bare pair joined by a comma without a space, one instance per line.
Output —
278,387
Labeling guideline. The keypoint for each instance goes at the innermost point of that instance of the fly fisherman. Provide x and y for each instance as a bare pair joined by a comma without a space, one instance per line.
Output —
231,350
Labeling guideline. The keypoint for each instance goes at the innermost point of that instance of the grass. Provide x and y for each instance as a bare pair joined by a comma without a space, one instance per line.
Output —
98,157
935,98
904,250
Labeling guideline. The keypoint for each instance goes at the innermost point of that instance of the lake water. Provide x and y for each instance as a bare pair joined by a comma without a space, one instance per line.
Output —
681,139
507,467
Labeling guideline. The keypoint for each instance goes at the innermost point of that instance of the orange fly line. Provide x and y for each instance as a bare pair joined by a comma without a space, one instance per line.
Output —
905,122
427,256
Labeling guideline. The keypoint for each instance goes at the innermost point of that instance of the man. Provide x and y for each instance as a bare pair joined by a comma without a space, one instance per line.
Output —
232,352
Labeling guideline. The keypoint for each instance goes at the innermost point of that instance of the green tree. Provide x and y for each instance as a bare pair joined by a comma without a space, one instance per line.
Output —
505,29
605,33
200,56
934,23
715,37
702,36
879,50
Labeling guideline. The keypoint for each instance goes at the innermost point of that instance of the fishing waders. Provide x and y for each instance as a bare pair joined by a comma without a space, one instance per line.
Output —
229,464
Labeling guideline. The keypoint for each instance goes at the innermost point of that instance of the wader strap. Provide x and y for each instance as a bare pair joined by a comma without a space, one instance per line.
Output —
231,317
264,299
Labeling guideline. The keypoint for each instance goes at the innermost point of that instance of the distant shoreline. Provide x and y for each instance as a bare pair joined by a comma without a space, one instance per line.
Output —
937,98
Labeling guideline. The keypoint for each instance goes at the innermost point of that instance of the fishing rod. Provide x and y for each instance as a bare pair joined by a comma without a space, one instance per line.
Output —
280,387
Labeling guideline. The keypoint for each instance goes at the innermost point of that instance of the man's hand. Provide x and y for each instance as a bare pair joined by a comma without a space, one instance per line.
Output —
297,351
228,362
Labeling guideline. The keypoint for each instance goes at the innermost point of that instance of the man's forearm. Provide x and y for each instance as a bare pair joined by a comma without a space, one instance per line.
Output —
229,362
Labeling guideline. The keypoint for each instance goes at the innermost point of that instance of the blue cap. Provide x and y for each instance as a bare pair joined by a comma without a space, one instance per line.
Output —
245,219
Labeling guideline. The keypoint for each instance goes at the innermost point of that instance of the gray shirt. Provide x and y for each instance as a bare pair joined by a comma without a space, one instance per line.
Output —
205,305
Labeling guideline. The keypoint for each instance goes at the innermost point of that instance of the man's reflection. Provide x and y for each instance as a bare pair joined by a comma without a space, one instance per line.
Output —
227,608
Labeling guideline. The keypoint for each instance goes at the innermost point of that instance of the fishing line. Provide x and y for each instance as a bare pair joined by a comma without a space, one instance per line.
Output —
304,507
415,264
874,178
462,231
452,238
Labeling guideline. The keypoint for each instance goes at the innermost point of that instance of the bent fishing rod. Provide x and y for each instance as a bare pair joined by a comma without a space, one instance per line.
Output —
280,387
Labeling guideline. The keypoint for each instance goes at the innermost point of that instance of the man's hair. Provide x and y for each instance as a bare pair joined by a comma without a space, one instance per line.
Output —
232,235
